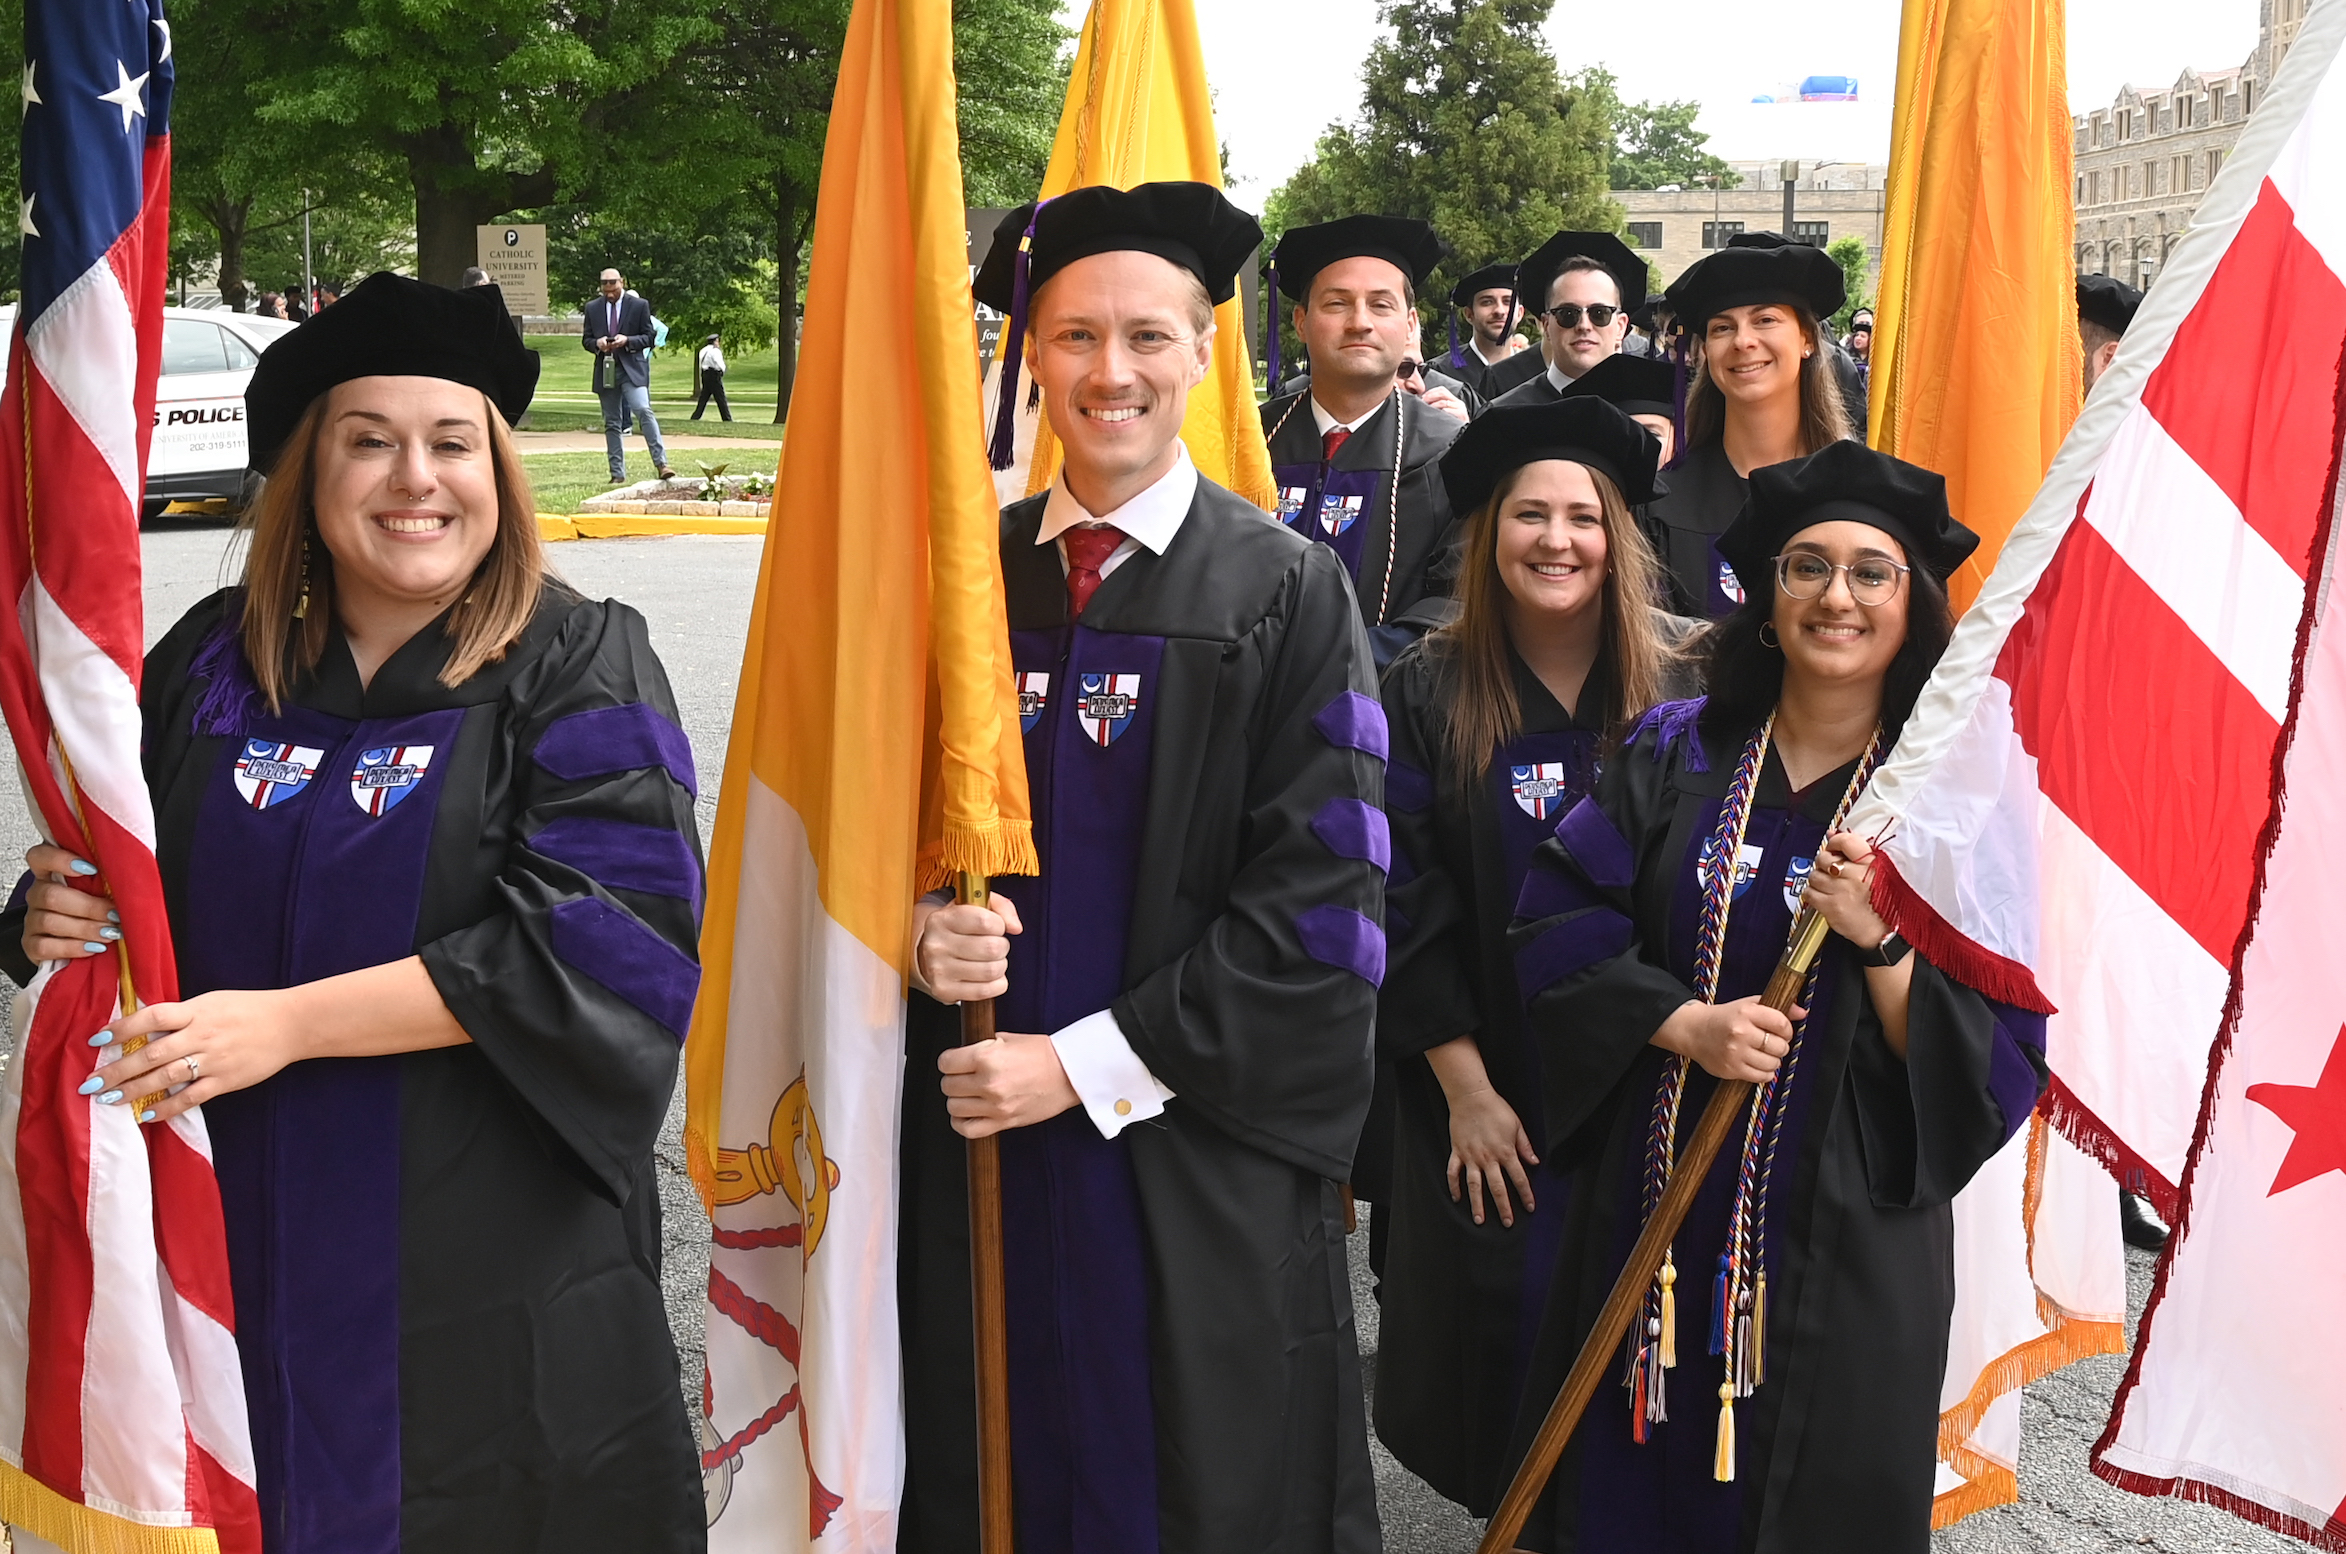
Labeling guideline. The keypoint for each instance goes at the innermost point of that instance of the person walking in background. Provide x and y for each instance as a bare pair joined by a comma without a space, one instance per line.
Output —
474,275
618,331
712,370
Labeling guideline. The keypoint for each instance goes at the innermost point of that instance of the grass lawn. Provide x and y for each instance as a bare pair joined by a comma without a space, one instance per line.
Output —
566,396
562,480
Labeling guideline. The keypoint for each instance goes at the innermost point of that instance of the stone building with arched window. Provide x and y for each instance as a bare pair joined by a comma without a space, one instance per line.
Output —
2144,162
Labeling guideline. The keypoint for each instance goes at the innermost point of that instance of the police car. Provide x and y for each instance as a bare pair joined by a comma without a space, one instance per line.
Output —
199,447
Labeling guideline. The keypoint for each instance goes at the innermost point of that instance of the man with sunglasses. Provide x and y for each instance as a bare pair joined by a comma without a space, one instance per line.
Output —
1355,448
1577,284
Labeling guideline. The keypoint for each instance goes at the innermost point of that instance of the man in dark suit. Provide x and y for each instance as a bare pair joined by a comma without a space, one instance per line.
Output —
619,333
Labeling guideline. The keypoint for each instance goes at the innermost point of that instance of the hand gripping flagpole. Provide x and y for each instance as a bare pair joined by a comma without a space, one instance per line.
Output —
1645,1258
989,1303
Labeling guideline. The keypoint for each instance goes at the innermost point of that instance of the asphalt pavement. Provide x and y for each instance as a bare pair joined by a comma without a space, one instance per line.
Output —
695,590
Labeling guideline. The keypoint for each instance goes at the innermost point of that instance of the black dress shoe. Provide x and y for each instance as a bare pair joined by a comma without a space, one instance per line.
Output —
2138,1224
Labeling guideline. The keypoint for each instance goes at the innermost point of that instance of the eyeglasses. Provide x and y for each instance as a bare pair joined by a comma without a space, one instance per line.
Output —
1408,368
1804,575
1600,314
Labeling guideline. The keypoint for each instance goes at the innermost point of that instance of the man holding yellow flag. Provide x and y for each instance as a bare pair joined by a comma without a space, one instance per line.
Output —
1186,993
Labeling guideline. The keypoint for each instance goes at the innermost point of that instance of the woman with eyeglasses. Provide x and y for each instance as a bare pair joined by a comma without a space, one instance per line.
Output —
1783,1371
1760,391
1498,721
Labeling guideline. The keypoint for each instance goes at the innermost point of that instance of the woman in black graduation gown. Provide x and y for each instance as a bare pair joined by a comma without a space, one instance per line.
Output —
425,824
1761,390
1648,926
1498,722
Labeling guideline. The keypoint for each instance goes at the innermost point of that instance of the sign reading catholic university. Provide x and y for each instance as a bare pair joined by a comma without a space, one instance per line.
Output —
515,257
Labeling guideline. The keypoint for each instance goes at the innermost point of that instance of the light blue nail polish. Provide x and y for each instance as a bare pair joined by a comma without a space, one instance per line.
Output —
148,1115
90,1085
82,868
113,916
101,1038
109,934
109,1098
93,946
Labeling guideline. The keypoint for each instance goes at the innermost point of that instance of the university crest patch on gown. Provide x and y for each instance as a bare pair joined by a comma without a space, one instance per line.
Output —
1539,788
269,773
1339,513
1729,584
385,776
1747,864
1291,500
1034,694
1106,705
1796,881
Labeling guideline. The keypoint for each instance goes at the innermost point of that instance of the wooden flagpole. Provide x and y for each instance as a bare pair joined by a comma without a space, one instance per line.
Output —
1645,1258
988,1302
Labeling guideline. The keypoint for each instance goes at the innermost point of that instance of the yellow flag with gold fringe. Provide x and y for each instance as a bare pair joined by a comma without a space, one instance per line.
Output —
875,747
1138,112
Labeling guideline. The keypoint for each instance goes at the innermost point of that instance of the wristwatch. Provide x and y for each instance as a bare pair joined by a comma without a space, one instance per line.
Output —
1887,953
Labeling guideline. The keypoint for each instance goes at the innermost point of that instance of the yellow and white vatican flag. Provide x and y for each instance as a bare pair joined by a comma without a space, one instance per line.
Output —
876,690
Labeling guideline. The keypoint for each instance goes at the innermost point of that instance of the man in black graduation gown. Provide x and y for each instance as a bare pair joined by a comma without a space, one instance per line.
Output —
1353,456
1186,992
1486,297
2105,307
1590,276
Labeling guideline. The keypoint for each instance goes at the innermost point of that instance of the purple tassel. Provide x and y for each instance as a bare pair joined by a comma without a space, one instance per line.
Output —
1669,722
1271,328
1456,360
1678,399
231,699
1722,1318
1004,450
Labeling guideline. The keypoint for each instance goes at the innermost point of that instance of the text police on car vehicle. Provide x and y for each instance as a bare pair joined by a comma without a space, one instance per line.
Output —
199,447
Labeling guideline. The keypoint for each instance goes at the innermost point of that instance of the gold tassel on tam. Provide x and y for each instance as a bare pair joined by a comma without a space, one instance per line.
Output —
1723,1465
1669,1314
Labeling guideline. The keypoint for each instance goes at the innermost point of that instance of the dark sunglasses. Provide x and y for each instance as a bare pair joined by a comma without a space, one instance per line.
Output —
1600,314
1408,368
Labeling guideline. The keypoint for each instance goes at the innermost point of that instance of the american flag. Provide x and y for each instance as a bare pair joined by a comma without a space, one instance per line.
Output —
2089,800
122,1419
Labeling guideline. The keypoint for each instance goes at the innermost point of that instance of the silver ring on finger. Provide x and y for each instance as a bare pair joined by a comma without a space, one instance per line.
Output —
194,1068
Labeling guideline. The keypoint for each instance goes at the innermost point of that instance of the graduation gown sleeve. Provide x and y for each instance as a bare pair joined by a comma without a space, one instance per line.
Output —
579,986
1428,997
1297,938
1593,992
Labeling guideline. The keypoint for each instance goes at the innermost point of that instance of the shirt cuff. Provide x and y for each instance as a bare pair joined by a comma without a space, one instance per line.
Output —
1115,1086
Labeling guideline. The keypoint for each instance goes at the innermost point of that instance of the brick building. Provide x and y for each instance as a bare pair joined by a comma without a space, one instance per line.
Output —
2144,162
1671,228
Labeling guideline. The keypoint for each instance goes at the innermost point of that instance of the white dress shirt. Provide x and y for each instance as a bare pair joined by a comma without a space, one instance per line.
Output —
1115,1086
1328,423
1557,379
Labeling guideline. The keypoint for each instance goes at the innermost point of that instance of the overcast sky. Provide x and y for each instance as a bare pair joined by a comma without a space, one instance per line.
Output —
1283,69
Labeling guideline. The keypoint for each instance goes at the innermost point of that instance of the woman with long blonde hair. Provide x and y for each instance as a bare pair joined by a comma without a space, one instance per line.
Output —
425,822
1499,721
1760,390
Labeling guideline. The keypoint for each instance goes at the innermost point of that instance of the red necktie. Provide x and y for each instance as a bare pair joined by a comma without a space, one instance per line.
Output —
1088,550
1330,440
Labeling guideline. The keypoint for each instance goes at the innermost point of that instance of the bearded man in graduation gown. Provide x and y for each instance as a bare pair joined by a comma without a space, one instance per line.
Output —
1187,991
1487,299
1354,457
1594,279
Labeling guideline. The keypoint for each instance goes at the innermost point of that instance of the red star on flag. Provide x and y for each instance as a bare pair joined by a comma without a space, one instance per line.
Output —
2317,1112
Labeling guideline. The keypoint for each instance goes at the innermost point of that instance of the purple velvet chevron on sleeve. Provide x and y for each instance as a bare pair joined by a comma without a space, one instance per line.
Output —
1573,945
1355,722
625,738
620,856
1406,788
611,948
1548,893
1598,846
2013,1080
1669,722
1350,828
1340,937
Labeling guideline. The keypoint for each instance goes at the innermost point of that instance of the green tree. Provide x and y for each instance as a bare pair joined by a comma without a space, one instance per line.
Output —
1848,251
1657,143
1465,122
1011,59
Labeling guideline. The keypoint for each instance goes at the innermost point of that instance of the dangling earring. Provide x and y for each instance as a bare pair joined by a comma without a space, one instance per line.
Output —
301,604
1768,636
